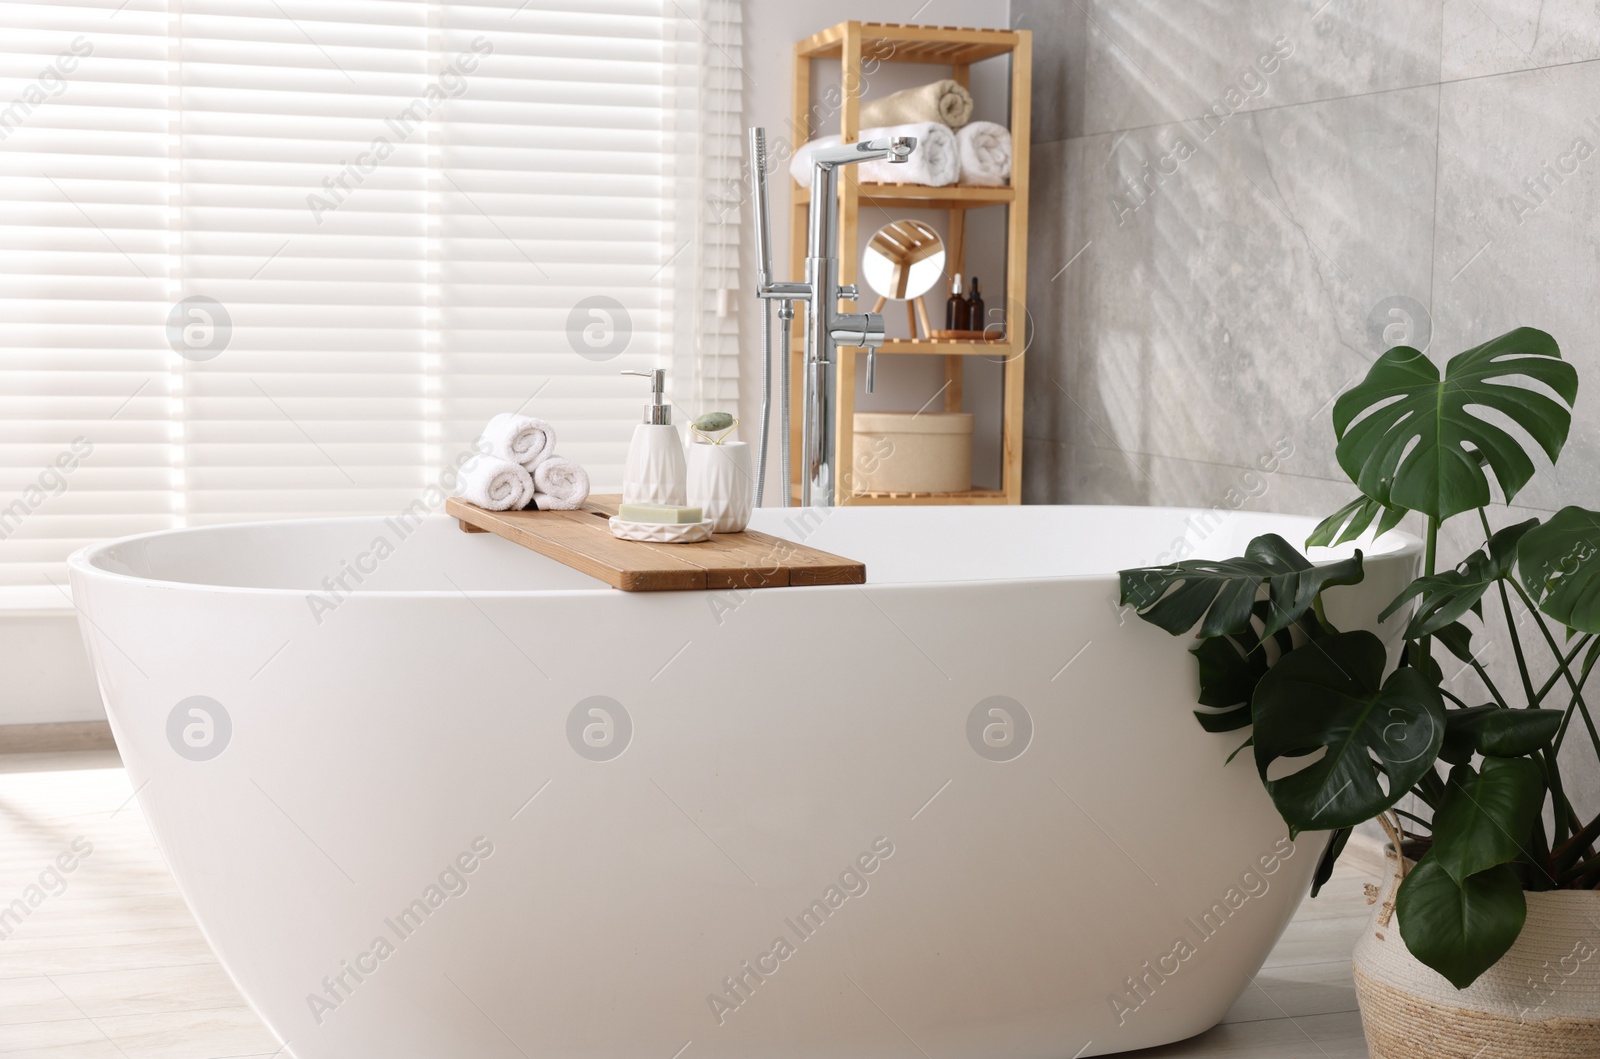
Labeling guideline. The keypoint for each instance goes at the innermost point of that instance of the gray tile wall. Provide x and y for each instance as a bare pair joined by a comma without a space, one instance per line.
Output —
1238,206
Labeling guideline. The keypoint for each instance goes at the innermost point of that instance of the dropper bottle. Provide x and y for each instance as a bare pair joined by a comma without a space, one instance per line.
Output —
956,310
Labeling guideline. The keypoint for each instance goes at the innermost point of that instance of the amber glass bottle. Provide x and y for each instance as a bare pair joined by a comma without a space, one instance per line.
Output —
957,311
975,320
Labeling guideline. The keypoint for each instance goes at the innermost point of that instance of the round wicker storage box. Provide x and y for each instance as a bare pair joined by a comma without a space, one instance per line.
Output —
1541,1001
913,452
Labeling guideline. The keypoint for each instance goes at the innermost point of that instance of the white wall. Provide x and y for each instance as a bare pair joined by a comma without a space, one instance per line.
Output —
904,383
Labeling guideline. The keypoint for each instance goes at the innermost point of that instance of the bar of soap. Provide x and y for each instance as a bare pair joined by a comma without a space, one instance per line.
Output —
658,513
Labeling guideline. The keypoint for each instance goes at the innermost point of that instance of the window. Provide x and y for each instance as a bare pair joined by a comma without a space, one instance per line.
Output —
273,258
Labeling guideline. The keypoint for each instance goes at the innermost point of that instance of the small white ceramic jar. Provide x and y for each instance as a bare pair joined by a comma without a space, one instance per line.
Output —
721,484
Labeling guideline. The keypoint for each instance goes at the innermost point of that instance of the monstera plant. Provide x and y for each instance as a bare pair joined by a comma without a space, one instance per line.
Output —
1497,823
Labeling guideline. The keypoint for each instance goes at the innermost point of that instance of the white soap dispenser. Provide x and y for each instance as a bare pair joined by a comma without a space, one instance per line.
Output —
656,472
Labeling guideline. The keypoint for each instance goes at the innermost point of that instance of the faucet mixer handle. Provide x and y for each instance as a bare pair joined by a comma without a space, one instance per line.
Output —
856,329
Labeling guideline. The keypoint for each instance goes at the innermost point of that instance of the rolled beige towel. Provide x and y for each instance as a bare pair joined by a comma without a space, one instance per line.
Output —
560,485
985,154
943,101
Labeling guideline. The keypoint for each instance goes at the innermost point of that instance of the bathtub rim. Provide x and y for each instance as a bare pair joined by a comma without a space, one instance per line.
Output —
1400,544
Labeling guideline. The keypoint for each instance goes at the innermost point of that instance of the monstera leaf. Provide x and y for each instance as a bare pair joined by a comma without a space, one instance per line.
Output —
1230,669
1513,733
1560,568
1457,639
1330,694
1223,592
1352,520
1330,857
1460,930
1411,439
1495,731
1461,729
1487,817
1446,597
1228,677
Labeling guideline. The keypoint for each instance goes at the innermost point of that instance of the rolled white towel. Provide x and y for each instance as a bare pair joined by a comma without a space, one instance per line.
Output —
560,485
935,162
495,484
942,101
985,150
520,439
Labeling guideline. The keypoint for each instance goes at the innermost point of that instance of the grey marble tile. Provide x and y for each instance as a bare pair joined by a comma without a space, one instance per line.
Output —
1058,28
1107,475
1044,471
1496,36
1103,475
1222,290
1107,65
1053,208
1516,239
1581,776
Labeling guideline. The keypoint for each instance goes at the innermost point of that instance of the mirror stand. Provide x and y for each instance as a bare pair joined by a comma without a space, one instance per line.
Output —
916,315
902,262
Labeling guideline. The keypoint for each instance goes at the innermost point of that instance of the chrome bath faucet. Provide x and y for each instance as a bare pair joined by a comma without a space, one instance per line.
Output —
825,326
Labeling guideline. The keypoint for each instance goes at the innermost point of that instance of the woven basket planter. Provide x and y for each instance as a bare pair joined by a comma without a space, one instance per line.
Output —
1541,1000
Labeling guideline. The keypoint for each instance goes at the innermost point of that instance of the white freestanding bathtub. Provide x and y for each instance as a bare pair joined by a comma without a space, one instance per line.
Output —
474,804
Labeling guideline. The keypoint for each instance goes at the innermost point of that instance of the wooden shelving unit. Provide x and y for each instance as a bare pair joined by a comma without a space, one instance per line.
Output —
969,496
852,43
921,196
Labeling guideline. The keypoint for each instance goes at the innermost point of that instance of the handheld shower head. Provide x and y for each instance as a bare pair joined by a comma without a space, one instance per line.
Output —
763,215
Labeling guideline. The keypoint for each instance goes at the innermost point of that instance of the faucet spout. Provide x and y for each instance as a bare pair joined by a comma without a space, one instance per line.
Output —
894,149
900,148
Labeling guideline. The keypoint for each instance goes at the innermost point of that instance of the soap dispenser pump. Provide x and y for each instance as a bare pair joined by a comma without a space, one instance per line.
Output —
656,471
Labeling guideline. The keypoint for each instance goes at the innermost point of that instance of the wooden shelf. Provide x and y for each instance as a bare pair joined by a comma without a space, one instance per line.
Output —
965,497
946,347
921,196
859,44
897,42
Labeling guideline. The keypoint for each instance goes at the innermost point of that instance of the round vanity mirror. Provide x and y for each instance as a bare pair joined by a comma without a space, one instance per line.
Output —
903,260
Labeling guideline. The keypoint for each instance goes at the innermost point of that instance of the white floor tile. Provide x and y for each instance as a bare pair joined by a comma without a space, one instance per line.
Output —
149,990
24,1000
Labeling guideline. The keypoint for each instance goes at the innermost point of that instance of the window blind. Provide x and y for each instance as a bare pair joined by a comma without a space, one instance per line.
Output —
277,258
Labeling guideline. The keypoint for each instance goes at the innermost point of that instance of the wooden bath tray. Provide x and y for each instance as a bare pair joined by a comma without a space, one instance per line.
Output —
583,541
